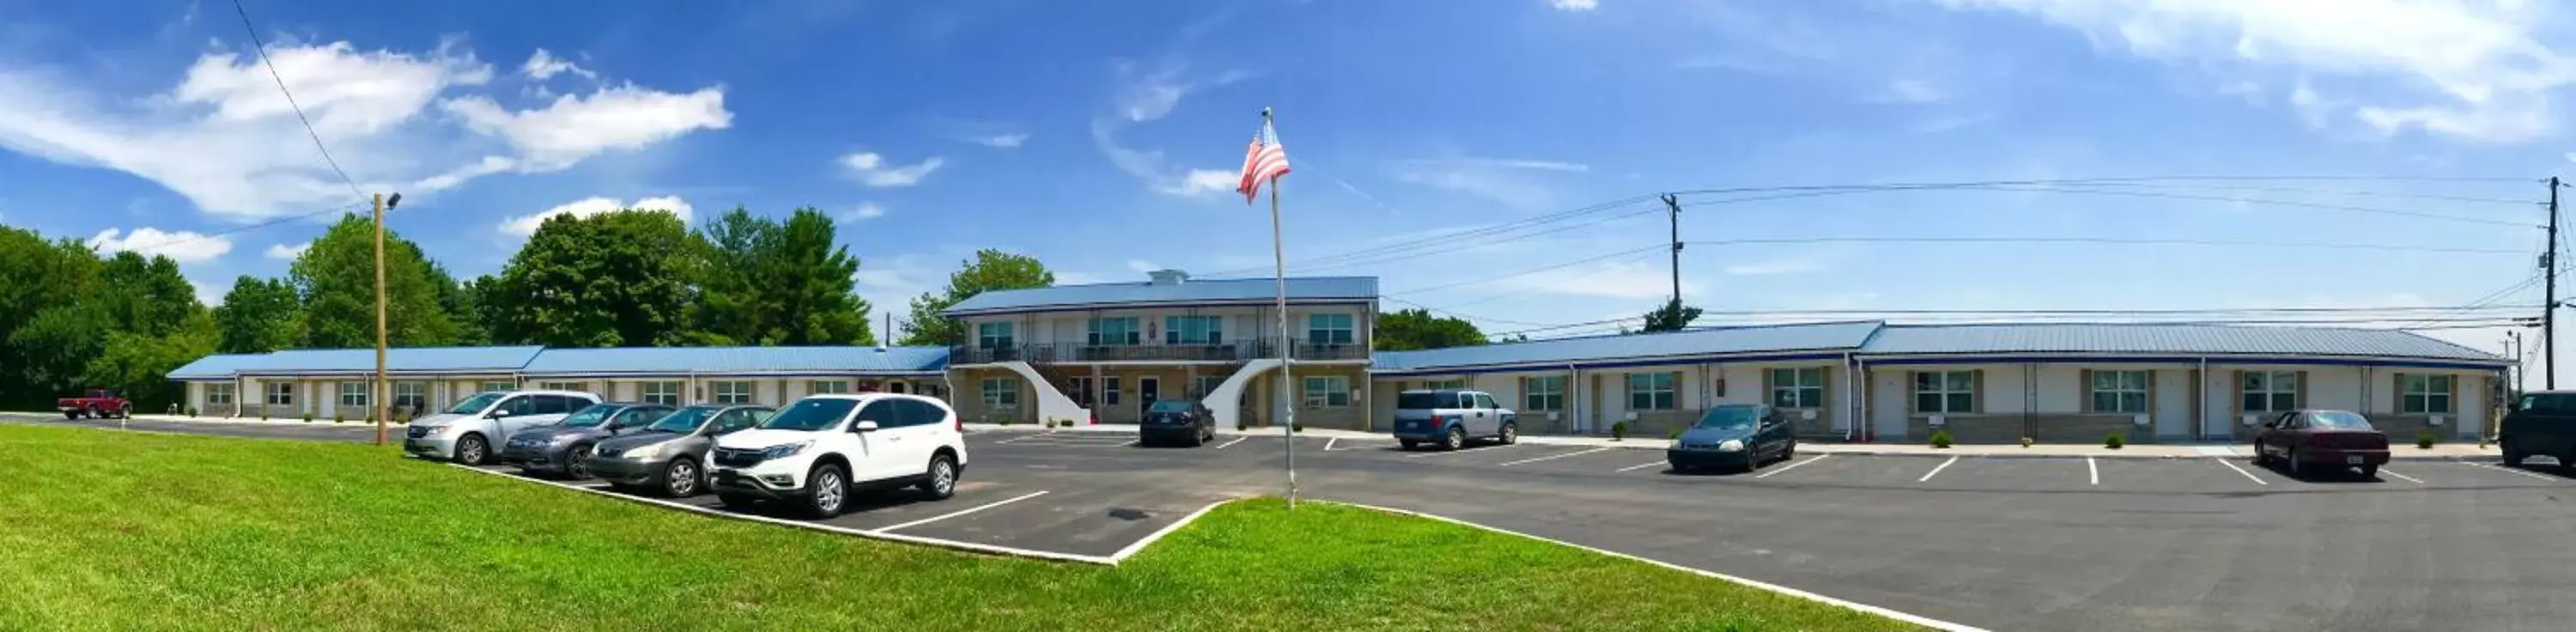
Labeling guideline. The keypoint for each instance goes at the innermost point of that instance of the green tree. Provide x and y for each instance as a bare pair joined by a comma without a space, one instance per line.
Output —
138,365
764,282
46,333
989,270
1417,329
144,296
466,303
258,316
728,309
606,280
1673,316
336,279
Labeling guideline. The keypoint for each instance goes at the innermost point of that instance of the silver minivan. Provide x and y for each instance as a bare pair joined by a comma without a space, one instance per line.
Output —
466,432
1450,417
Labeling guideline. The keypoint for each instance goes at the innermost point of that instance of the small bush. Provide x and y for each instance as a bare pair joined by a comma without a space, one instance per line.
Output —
263,415
1296,426
1941,439
2025,441
1618,431
2114,441
2425,438
192,411
1242,425
1001,421
337,418
308,418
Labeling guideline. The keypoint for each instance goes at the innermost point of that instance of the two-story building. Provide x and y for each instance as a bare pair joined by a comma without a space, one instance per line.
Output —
1105,351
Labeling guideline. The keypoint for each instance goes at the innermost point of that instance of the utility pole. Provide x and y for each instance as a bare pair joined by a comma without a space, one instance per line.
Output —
1674,206
381,393
2549,298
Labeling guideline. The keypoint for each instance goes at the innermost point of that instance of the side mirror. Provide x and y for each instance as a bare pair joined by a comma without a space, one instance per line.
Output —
867,426
2271,424
497,414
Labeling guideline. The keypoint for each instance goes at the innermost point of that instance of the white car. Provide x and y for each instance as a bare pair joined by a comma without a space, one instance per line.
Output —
466,432
818,451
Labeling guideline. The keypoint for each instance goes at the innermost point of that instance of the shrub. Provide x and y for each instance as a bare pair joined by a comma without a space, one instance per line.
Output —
2114,441
1296,426
1941,439
2025,441
2424,439
337,418
192,411
308,418
1242,424
1001,421
1618,431
263,415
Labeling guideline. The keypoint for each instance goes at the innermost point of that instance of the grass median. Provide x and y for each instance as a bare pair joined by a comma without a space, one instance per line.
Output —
112,530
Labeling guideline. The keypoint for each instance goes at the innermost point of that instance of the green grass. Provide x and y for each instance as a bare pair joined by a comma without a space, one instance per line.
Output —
117,531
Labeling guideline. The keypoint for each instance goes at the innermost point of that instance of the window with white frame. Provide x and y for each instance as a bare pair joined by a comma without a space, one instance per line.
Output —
1203,385
1798,388
219,394
1327,391
1545,392
490,387
353,394
2120,391
1083,393
2269,391
828,387
1945,392
563,386
1329,329
731,392
664,393
1650,391
992,335
281,394
2424,394
1445,384
411,396
1108,391
1000,393
1193,330
1110,332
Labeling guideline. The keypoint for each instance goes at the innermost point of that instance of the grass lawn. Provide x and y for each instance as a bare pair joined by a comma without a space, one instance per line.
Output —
109,530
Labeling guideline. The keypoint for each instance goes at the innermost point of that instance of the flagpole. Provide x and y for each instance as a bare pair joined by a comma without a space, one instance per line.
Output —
1279,263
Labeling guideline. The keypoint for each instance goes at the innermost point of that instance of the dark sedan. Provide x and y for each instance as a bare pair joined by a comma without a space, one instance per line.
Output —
1180,421
2321,440
564,449
670,456
1734,436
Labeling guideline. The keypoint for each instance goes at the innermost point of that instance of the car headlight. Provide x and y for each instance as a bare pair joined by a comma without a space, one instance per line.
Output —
1731,445
644,451
784,450
1676,445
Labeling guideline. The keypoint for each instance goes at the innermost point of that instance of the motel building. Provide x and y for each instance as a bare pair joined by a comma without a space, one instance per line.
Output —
1102,352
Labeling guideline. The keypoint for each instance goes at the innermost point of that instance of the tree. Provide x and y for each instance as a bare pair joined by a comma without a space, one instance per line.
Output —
1673,316
336,280
607,280
145,296
728,310
46,333
1412,329
466,303
763,282
138,365
989,270
258,316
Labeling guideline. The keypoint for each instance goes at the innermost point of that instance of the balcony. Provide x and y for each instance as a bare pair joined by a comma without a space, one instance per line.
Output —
1228,351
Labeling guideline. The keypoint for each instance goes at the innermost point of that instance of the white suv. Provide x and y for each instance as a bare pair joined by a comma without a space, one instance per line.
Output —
818,451
466,432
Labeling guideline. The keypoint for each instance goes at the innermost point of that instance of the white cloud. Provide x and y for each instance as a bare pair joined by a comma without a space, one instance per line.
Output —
286,252
1767,268
1499,179
181,246
544,65
864,211
890,283
1913,91
873,170
1615,279
1141,265
1203,181
574,128
1005,141
1148,166
2474,70
525,225
1574,5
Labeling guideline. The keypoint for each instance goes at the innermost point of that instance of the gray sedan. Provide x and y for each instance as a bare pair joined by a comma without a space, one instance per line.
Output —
669,457
564,449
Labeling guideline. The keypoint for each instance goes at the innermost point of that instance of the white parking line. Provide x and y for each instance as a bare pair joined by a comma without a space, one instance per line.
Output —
1642,465
1131,442
962,512
1937,469
1553,456
1236,440
2391,473
1457,451
2095,471
2507,469
2248,475
1024,438
1792,466
1328,443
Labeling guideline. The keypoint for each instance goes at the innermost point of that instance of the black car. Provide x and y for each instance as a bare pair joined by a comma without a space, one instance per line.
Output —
2541,424
1735,436
670,455
564,449
1180,421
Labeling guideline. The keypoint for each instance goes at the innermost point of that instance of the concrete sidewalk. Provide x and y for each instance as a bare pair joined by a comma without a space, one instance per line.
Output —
2453,450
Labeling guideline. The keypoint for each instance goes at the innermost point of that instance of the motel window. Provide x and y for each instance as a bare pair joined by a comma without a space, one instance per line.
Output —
732,392
992,335
1108,332
828,387
1943,392
2422,394
1328,329
1439,385
1543,393
219,394
1203,385
664,393
2269,391
1193,330
353,394
563,386
1108,391
2120,391
411,396
1650,391
1082,391
1001,393
495,387
281,393
1328,391
1798,388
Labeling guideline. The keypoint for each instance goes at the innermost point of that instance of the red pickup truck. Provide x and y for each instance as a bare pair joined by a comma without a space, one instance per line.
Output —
98,403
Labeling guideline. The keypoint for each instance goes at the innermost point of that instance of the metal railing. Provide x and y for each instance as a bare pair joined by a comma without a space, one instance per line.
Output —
1225,351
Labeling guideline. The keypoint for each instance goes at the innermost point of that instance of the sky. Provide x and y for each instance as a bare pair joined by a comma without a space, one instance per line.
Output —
1106,139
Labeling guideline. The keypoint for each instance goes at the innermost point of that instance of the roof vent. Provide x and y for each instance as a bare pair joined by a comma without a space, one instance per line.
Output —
1169,277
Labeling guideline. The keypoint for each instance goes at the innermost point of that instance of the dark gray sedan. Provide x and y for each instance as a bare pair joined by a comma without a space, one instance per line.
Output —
669,457
564,449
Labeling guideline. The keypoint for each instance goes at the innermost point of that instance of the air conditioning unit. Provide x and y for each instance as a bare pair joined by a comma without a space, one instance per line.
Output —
1938,421
2140,420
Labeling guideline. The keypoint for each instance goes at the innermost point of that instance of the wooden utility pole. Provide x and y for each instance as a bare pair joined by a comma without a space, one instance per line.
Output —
2549,298
1674,206
380,391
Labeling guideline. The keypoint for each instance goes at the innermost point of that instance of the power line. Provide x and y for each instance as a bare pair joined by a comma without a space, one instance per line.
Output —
2104,240
2372,194
290,100
2026,187
1528,272
250,227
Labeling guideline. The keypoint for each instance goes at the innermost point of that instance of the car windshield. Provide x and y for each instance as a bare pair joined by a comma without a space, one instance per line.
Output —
590,416
1171,406
2339,420
1731,417
1422,400
811,414
684,420
474,404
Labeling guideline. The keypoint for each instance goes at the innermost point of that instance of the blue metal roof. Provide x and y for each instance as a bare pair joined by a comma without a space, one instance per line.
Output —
1142,293
400,359
214,367
2127,338
712,360
1715,341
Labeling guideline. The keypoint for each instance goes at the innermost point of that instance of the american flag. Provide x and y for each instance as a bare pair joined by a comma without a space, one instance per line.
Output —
1265,160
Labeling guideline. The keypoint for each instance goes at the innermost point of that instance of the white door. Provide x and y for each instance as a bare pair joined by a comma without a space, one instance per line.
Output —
918,438
881,448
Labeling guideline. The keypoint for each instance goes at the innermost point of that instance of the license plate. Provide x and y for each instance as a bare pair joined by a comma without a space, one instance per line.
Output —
2353,459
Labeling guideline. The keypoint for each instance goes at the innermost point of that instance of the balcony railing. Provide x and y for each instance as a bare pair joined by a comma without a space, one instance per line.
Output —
1227,351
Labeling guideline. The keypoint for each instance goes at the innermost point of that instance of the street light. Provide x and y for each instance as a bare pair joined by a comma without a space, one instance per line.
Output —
382,392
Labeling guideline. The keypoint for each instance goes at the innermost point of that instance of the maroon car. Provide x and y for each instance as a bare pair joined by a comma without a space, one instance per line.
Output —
2322,441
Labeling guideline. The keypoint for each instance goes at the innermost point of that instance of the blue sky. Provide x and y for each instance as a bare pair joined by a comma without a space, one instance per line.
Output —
1104,140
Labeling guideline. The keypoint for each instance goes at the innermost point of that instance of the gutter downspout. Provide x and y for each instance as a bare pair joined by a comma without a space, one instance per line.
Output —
2200,403
1851,426
1574,383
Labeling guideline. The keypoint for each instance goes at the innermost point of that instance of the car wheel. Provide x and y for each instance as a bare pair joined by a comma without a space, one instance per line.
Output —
830,488
1407,444
2295,469
71,414
95,414
471,450
2261,458
577,461
2370,472
943,478
1511,433
736,502
2512,457
126,411
1457,438
680,478
1790,452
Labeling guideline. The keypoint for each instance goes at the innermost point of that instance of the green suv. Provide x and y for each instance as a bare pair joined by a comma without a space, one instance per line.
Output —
2541,424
